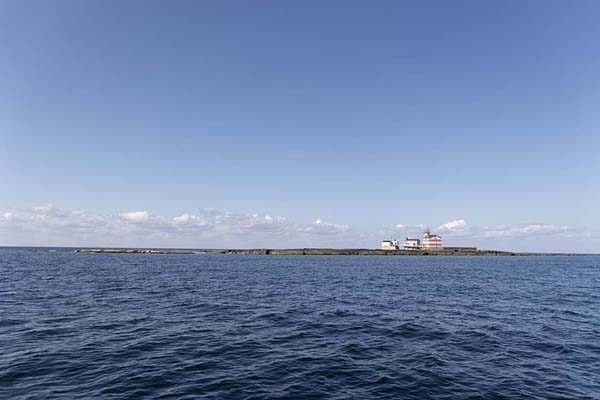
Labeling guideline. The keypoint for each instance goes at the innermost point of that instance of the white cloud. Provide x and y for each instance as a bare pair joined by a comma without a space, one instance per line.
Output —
525,230
459,225
49,217
136,216
51,225
189,219
418,227
460,229
321,227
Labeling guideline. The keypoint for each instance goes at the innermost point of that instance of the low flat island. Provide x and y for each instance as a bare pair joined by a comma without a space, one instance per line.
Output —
449,251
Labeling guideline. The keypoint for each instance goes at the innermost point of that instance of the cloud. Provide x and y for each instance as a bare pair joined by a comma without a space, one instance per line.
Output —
51,225
418,227
459,225
49,217
189,219
536,229
136,216
319,224
460,228
209,228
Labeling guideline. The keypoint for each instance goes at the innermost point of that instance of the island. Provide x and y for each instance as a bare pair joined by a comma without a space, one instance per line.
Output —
447,251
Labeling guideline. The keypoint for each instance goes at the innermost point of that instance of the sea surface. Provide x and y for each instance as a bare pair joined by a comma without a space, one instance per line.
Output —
116,326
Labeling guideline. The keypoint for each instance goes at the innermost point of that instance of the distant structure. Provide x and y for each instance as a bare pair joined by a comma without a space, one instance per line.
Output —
390,245
412,244
432,241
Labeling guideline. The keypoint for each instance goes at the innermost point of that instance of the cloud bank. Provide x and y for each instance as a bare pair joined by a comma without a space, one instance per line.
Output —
48,225
460,229
54,226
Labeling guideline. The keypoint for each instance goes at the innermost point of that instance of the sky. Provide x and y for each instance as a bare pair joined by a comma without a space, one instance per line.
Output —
300,123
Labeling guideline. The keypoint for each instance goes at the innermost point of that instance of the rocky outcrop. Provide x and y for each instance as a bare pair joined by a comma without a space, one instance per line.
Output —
138,251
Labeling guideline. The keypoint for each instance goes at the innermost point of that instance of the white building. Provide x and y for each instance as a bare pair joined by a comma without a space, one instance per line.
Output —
412,244
390,245
432,241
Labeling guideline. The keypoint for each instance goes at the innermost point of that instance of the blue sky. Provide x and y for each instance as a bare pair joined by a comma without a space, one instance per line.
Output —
364,116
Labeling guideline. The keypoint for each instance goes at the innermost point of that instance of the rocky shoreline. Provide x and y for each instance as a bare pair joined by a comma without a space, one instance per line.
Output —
322,252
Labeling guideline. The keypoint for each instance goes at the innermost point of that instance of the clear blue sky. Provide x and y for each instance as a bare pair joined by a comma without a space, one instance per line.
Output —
368,114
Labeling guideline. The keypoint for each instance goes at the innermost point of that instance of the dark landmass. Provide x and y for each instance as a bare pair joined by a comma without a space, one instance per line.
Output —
449,251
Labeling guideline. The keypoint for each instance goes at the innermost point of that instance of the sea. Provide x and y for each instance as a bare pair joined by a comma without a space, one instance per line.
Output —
202,326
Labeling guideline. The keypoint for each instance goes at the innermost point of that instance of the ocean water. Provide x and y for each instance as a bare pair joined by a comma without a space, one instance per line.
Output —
268,327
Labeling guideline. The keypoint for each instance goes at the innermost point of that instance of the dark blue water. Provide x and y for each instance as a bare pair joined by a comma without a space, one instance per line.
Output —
268,327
